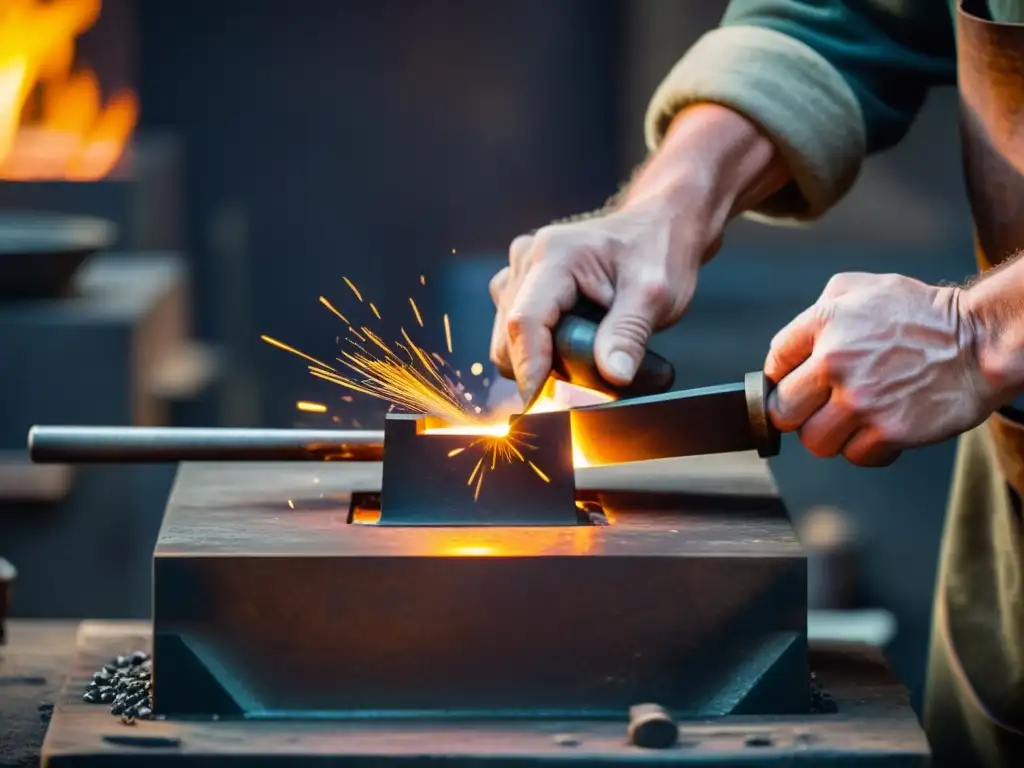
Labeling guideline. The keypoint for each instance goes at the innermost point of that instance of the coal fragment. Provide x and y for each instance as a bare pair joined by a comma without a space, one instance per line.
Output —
124,682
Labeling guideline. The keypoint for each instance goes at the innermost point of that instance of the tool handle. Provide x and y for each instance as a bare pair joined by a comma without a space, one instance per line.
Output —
573,359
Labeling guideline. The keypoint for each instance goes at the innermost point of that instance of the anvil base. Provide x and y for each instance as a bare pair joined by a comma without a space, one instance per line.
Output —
269,603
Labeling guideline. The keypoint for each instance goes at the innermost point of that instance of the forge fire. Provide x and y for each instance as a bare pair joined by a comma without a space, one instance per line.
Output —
55,123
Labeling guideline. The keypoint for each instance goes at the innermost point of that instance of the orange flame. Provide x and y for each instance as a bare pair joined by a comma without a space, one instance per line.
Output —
53,123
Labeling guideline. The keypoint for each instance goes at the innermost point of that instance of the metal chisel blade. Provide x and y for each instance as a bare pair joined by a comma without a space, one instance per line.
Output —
719,419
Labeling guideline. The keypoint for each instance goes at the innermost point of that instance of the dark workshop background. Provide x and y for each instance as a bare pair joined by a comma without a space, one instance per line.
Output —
382,139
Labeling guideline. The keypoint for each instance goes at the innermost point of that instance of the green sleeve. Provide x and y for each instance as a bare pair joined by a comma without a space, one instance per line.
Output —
890,52
828,81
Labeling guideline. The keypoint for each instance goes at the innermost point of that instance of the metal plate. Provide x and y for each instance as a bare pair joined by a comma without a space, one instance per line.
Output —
40,253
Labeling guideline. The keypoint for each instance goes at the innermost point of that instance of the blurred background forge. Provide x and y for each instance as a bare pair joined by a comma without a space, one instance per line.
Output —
280,148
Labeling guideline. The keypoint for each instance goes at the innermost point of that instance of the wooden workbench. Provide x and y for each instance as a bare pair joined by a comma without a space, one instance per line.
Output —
875,723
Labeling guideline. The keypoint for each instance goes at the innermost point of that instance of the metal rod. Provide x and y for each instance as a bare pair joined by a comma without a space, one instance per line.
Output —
155,445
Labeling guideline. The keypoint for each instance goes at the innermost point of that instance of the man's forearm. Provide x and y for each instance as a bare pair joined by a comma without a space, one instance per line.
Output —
994,307
714,158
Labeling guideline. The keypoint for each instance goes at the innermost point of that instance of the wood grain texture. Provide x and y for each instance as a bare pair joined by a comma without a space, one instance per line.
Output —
875,725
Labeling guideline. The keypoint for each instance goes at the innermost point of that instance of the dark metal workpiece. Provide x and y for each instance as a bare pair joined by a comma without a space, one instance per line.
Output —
696,604
651,727
721,419
431,479
101,445
573,357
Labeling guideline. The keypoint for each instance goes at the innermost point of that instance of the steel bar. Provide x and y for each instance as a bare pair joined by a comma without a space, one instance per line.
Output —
155,445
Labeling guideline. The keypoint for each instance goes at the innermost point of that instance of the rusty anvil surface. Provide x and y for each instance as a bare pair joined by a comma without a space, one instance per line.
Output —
269,603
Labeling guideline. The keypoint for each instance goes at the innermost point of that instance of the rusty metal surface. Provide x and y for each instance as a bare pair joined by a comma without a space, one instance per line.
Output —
449,479
274,608
276,509
876,727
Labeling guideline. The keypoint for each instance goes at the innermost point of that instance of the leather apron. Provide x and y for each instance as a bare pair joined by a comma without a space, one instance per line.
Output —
974,709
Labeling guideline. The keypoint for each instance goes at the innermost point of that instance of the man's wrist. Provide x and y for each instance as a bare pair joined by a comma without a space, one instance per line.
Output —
711,158
992,310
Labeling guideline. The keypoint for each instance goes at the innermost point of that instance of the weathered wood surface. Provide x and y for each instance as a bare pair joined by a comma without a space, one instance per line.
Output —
33,665
875,726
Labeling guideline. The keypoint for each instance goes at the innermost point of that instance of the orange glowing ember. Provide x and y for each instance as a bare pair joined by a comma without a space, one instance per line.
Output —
53,122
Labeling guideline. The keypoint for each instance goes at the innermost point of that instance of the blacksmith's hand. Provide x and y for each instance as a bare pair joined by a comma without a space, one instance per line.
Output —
639,259
640,262
878,364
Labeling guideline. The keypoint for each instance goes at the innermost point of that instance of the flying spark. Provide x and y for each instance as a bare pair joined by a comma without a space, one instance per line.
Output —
504,445
408,377
354,289
416,311
326,303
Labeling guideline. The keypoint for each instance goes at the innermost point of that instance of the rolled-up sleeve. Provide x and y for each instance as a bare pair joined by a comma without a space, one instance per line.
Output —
828,81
